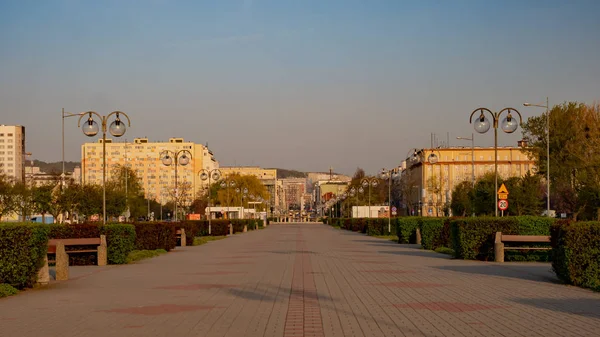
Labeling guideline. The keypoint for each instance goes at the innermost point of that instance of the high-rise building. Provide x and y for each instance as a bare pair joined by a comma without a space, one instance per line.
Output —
12,151
144,158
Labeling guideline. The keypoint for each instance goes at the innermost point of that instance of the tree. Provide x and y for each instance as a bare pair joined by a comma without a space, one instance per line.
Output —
462,199
8,197
484,196
574,156
42,199
228,195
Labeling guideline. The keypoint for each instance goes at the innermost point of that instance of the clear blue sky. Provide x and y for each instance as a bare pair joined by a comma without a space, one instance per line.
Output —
292,84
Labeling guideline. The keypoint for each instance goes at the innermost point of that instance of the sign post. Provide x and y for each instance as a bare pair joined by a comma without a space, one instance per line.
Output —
503,198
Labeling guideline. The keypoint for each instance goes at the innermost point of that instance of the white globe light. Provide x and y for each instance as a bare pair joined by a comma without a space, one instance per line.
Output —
509,124
90,128
117,128
167,160
482,124
184,160
203,176
433,158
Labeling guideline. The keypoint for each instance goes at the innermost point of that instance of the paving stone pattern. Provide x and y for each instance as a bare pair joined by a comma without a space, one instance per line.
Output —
295,280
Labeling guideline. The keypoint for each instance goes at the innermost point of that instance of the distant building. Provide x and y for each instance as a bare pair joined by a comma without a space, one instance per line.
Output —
428,184
267,176
144,158
12,151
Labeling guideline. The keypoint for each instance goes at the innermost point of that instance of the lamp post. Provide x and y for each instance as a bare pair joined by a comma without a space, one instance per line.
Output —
547,106
65,115
90,128
472,139
227,183
369,182
389,174
208,175
433,159
508,125
181,158
352,193
243,192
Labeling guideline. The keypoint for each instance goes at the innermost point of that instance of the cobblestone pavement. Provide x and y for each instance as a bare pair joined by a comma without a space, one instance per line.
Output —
304,280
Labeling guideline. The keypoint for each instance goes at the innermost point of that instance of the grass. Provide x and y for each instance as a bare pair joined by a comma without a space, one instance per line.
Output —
200,240
387,237
7,290
445,250
138,255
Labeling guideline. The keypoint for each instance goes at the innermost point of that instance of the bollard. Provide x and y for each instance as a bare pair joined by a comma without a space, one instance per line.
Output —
62,262
230,229
44,273
498,252
102,252
418,236
245,228
183,238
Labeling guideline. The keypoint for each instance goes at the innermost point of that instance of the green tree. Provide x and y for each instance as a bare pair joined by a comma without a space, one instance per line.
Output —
484,196
462,199
8,197
42,199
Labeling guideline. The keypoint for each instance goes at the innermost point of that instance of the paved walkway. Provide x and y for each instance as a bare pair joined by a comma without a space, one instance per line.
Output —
304,280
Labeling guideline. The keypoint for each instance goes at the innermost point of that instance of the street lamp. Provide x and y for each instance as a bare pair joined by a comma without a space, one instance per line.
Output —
433,159
181,158
472,139
508,125
389,174
65,115
369,182
243,192
227,183
547,106
208,175
351,193
90,128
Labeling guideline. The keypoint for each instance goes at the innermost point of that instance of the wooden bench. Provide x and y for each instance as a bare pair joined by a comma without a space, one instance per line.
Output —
499,247
180,235
58,249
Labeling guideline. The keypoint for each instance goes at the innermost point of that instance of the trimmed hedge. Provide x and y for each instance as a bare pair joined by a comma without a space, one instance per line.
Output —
191,230
406,229
435,233
576,253
22,251
379,226
155,235
120,241
473,238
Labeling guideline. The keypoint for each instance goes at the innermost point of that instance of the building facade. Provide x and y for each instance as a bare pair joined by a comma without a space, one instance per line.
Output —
144,158
12,151
429,177
268,177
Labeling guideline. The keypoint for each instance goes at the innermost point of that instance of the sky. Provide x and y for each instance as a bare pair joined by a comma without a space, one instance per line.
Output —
303,84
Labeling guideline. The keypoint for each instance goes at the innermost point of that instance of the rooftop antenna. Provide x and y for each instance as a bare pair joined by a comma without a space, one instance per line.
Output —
330,173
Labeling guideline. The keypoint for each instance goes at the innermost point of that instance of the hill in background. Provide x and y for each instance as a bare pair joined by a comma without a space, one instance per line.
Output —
55,167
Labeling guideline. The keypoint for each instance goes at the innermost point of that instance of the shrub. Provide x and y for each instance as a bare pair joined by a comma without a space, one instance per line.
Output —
191,230
120,241
7,290
137,255
576,253
155,235
22,251
406,229
473,238
433,234
444,250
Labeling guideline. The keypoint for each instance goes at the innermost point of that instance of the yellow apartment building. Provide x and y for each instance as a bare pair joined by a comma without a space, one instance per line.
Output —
430,176
267,176
144,158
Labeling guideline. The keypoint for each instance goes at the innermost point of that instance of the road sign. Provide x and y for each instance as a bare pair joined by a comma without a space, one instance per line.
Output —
503,204
503,192
394,209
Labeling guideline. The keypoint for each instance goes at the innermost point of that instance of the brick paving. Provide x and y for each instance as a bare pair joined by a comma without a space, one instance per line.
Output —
297,280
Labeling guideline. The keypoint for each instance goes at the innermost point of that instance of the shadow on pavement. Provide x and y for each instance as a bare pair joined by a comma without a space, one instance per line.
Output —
270,293
531,272
421,253
588,307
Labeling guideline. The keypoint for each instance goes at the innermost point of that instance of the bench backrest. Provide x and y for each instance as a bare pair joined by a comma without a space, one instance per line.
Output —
522,238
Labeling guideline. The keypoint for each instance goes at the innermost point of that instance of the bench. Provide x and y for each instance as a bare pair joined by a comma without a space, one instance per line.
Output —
58,248
499,247
180,235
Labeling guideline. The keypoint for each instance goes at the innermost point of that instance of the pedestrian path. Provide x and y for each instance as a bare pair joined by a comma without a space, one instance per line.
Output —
304,280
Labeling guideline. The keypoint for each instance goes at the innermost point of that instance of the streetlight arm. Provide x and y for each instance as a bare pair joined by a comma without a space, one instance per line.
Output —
508,110
481,110
120,113
90,113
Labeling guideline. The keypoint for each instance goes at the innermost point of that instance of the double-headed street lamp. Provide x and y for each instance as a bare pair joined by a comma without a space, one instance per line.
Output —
369,182
228,183
90,128
390,174
209,175
508,125
547,106
243,192
180,158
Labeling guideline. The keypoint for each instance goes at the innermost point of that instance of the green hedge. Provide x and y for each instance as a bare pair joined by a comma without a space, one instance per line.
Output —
22,251
576,253
191,230
379,226
435,233
473,238
406,229
155,235
120,241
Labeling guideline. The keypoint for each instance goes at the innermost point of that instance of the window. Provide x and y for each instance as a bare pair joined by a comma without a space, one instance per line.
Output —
9,146
10,141
10,135
1,135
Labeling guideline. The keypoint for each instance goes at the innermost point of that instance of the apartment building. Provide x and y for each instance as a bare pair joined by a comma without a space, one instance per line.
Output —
144,157
268,177
430,175
12,151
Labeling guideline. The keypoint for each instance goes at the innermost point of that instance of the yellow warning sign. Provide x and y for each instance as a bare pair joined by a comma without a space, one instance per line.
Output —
502,192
